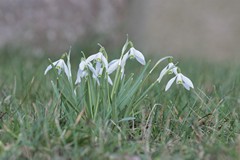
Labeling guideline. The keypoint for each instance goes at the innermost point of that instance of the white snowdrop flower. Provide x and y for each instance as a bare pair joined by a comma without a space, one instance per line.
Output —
83,72
123,63
180,79
96,78
113,65
133,53
99,71
168,69
99,57
59,65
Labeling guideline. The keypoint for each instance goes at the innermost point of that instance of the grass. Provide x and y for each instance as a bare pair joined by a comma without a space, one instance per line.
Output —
201,124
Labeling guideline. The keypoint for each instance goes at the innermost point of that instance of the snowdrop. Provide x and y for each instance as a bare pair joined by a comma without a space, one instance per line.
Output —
96,97
180,79
123,63
82,70
59,65
101,62
99,57
99,71
133,53
80,74
113,65
168,69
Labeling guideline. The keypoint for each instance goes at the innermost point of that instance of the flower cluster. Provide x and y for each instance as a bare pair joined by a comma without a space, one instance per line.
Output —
101,63
95,64
102,95
179,77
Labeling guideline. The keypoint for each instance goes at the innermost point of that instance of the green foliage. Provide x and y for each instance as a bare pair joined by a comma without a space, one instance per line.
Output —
40,119
94,93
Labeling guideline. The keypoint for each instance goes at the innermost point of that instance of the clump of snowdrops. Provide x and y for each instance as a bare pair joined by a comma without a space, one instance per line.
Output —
102,91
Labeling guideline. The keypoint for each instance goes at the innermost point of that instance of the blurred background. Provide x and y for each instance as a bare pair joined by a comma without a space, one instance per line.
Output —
203,28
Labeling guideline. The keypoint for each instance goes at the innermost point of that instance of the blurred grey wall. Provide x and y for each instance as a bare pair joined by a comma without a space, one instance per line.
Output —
167,27
54,25
210,28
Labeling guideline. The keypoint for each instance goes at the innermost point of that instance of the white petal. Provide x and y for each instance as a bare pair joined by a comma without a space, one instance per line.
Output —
99,55
187,81
170,65
65,68
57,62
113,65
163,72
110,81
69,63
92,69
62,66
186,86
78,80
131,52
91,58
122,71
139,56
98,67
50,66
123,63
82,65
170,82
60,63
124,59
100,71
47,69
175,70
179,78
84,74
171,68
113,62
104,60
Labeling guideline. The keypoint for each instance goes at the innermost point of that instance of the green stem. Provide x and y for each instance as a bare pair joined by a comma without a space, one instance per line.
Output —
153,84
158,62
118,74
116,82
97,104
90,98
145,93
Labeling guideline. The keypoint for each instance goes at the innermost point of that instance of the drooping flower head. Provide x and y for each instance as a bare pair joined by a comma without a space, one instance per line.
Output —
166,70
136,54
83,70
180,79
113,65
99,58
96,64
132,54
59,65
